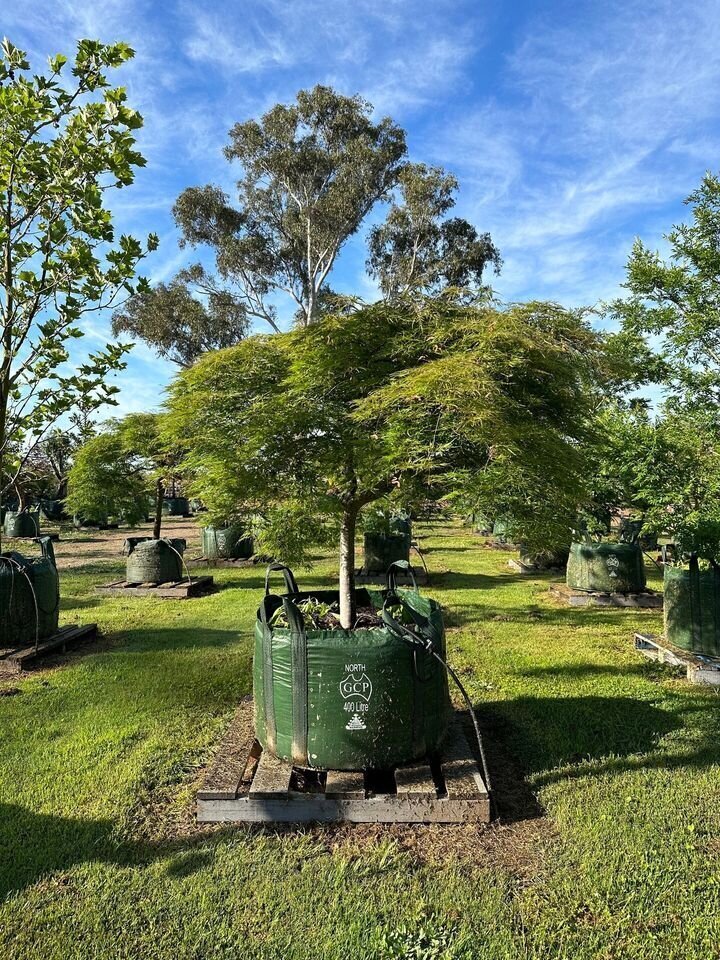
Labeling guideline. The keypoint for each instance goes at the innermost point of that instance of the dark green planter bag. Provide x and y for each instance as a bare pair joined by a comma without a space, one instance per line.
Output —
227,543
153,561
350,699
692,608
29,596
606,567
25,523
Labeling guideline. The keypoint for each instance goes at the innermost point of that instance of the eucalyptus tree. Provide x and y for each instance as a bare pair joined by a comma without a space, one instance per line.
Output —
311,171
418,248
66,141
181,322
315,425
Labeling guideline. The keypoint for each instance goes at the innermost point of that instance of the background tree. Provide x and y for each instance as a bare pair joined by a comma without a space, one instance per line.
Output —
180,325
315,425
677,300
417,250
311,172
65,142
126,465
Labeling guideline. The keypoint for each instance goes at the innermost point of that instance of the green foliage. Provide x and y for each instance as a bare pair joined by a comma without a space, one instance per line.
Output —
311,172
119,469
381,401
68,138
677,299
313,612
679,480
178,324
417,250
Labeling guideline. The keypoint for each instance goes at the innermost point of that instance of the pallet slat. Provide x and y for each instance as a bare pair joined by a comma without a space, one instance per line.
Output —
460,771
225,775
345,783
272,777
415,780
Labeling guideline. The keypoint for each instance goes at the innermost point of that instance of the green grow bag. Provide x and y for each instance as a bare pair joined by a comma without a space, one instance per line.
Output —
153,561
80,521
25,523
544,559
692,609
349,699
226,543
51,510
21,622
606,567
176,507
381,549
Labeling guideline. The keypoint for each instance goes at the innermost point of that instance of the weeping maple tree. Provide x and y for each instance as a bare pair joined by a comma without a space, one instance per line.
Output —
314,425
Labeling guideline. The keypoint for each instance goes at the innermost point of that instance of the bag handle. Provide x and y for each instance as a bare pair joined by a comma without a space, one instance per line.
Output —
392,572
287,573
48,551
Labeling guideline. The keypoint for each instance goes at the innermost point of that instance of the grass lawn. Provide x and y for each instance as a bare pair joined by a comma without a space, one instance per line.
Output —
606,768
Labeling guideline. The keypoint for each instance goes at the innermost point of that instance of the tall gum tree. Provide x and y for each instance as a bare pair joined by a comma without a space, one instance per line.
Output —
311,172
66,141
314,425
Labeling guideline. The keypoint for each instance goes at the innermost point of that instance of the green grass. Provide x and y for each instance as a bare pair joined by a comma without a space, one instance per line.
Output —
606,769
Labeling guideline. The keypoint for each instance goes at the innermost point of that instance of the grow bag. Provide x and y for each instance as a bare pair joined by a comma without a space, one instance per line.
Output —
153,561
692,609
350,699
29,596
606,567
176,507
51,510
381,549
226,543
26,523
80,521
544,559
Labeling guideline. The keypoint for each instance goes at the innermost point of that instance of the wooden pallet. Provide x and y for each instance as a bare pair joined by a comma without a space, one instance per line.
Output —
699,668
14,661
225,562
174,590
647,599
246,785
519,566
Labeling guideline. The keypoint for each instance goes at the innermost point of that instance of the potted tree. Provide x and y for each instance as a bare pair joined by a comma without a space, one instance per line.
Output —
318,424
127,462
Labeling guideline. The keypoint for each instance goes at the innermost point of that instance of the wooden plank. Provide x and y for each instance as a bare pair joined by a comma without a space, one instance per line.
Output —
318,808
223,779
345,783
173,590
699,668
64,636
463,779
272,777
415,780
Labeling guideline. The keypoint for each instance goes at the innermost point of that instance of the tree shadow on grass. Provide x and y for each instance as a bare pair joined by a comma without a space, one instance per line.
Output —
34,845
553,739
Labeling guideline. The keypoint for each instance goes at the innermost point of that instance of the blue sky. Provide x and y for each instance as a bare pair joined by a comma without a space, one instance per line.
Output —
573,127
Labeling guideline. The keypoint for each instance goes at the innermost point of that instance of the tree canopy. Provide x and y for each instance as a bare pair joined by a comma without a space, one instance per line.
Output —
416,249
123,469
66,141
676,299
313,426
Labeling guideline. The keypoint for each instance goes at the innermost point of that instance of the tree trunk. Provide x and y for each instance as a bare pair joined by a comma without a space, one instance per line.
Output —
347,568
159,498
